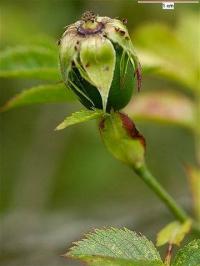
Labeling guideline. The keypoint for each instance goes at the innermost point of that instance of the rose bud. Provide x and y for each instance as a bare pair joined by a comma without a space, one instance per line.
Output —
98,62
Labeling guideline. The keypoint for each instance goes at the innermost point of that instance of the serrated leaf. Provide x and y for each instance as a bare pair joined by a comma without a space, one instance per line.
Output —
163,107
29,62
189,255
114,246
105,261
80,117
173,233
39,95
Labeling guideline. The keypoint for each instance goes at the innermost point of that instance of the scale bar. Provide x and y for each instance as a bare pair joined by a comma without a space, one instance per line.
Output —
160,1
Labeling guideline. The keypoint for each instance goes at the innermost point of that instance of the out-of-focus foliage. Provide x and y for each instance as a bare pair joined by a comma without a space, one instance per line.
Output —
194,181
172,53
39,62
39,95
166,107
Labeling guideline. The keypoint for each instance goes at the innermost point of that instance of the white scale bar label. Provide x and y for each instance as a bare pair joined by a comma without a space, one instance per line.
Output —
168,5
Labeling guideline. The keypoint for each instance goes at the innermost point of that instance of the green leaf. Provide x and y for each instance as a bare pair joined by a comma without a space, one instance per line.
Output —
163,107
39,95
173,233
105,261
29,62
80,117
115,247
188,255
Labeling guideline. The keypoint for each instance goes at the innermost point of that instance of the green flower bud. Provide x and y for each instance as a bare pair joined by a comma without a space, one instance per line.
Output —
122,139
98,62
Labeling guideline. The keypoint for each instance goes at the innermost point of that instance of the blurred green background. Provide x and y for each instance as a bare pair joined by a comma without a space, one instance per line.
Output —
57,185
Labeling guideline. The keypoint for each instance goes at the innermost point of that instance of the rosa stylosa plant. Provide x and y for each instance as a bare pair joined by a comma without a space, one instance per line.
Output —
99,66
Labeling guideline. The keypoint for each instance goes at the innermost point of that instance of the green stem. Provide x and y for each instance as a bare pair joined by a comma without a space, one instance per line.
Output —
171,204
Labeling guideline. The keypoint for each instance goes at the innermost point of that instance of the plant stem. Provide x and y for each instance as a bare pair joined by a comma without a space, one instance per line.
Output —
168,255
171,204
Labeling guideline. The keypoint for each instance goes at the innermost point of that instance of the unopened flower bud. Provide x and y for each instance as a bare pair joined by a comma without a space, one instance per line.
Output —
122,139
98,62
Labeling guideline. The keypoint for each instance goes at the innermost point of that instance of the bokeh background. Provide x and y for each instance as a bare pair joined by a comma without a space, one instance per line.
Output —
57,185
